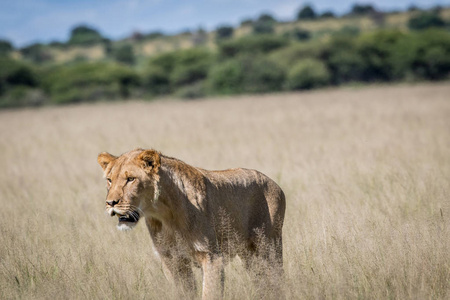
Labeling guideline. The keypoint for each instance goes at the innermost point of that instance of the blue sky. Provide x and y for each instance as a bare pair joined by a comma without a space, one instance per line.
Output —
27,21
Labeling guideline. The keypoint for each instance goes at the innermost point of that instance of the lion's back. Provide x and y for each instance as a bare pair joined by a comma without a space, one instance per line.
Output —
250,197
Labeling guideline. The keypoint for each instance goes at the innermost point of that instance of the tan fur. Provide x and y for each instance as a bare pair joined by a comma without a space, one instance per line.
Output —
195,215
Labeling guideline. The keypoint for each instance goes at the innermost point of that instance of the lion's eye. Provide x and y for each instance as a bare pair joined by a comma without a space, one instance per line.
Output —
109,181
130,179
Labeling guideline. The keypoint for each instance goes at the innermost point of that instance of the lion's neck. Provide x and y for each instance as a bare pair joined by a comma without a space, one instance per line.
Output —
169,194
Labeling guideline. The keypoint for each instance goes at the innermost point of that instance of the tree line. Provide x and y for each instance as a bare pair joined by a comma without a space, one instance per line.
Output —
256,63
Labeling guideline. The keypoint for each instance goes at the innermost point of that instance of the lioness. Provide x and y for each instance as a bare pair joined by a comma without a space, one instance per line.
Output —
196,215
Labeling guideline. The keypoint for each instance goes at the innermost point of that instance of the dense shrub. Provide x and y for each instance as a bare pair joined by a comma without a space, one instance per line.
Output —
424,55
261,27
36,53
156,81
362,9
191,65
425,20
246,22
348,30
224,32
377,50
18,84
5,47
298,34
192,91
343,60
262,75
252,45
13,73
227,77
169,71
21,96
306,13
166,62
265,24
327,14
307,74
89,82
246,74
84,36
287,56
124,54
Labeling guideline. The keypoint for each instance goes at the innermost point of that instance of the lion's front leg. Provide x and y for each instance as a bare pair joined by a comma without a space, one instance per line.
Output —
213,275
176,267
179,271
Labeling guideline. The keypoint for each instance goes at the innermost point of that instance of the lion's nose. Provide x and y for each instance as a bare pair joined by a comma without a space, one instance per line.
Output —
112,202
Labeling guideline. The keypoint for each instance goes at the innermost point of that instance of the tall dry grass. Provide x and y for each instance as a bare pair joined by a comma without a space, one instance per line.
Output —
366,174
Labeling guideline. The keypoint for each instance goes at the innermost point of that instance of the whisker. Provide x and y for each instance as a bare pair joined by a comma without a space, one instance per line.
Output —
137,208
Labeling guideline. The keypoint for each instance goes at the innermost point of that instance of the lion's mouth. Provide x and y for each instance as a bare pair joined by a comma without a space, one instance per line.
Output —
130,217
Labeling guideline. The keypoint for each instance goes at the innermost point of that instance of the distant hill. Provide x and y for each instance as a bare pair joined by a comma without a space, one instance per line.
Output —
145,45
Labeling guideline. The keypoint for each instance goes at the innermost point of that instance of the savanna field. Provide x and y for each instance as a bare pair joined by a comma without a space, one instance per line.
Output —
366,173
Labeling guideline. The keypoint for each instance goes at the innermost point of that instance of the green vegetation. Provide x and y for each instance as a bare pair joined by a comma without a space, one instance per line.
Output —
265,24
263,56
89,82
124,54
36,53
307,74
18,83
224,32
5,47
306,13
426,20
85,36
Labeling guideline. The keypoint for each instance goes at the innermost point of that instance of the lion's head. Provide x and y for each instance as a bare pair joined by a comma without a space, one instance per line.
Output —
132,184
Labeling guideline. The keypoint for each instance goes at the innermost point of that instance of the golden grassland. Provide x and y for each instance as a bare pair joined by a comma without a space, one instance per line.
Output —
366,173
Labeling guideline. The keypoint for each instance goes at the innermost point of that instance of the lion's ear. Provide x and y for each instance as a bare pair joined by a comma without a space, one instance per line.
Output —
104,159
150,159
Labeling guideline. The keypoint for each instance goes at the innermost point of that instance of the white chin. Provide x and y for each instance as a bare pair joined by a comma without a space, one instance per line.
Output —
124,226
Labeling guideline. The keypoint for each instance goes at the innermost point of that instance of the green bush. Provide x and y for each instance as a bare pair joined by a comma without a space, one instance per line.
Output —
425,20
265,24
36,53
348,30
84,36
306,13
288,56
262,75
191,65
255,44
343,60
13,72
362,9
21,96
227,77
246,74
5,47
424,55
307,74
378,51
124,54
298,34
224,33
327,14
156,81
166,62
192,91
90,82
